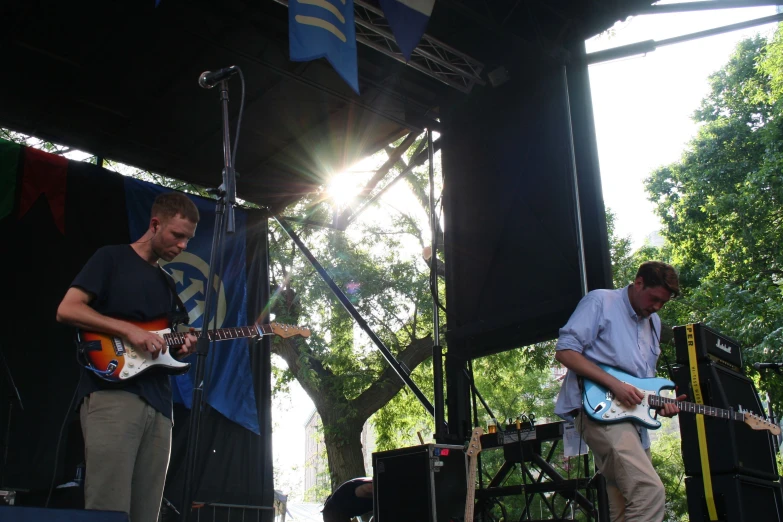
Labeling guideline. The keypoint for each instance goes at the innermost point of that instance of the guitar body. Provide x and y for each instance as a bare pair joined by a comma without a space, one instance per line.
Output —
115,360
600,405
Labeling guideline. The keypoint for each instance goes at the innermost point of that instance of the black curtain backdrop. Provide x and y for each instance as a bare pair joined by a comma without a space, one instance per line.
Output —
511,235
41,353
513,156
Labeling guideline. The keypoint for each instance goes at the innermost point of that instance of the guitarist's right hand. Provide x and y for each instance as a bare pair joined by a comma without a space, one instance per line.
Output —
75,310
146,341
626,394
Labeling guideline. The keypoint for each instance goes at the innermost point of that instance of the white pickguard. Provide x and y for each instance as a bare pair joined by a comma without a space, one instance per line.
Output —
616,411
137,361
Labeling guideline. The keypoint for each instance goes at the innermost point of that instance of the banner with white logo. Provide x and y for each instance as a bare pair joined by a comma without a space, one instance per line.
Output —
229,384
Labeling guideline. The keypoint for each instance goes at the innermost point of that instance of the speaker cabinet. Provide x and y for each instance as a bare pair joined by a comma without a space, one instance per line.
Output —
420,484
733,447
737,499
710,346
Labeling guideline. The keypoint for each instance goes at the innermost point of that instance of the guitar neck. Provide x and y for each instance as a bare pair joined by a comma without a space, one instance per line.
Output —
222,334
656,401
470,502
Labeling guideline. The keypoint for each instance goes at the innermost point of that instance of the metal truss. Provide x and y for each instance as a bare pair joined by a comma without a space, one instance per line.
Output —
431,57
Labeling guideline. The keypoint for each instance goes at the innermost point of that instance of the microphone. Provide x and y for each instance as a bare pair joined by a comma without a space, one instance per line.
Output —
774,365
209,79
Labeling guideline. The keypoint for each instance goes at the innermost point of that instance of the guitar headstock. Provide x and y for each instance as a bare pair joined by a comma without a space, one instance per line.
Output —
759,423
288,330
474,446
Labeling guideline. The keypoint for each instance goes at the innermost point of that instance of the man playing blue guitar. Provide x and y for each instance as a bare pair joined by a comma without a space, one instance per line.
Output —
619,328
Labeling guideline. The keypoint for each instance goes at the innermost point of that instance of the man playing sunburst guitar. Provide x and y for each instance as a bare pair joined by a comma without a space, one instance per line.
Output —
619,328
127,427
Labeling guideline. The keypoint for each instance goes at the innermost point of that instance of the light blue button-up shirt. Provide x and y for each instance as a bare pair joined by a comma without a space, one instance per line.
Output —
605,329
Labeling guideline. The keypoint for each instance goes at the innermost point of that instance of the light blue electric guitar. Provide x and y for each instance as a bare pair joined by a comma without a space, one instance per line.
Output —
600,405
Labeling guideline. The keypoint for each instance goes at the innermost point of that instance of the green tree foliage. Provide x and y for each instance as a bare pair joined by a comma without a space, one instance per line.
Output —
667,460
378,266
721,206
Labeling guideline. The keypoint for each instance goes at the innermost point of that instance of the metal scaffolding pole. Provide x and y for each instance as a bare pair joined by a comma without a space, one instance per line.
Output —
401,371
649,46
437,349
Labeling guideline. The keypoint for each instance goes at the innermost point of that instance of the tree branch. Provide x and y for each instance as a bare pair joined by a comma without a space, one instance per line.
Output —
389,384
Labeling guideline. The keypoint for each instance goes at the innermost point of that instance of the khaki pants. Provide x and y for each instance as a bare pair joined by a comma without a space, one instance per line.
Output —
635,490
127,444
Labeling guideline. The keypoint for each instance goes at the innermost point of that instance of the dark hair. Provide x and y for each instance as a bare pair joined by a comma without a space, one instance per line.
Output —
168,205
655,273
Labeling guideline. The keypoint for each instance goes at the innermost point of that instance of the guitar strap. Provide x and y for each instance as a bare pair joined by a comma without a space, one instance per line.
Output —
178,314
702,435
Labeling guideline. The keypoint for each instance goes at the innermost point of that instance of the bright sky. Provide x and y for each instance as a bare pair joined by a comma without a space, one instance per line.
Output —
642,109
643,104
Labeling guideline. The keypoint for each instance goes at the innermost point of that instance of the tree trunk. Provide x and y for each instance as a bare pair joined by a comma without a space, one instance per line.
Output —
344,451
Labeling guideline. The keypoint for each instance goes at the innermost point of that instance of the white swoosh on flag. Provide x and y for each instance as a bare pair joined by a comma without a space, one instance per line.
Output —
323,24
325,5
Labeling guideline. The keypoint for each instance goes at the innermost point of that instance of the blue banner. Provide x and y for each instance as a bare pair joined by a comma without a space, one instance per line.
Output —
324,29
408,20
228,382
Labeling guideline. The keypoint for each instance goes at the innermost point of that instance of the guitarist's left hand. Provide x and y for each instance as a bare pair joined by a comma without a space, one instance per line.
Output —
669,409
189,346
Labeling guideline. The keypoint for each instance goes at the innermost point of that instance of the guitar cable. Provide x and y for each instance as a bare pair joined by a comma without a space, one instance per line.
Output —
68,413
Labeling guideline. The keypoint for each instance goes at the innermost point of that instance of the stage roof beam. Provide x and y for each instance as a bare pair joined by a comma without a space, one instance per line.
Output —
685,7
649,46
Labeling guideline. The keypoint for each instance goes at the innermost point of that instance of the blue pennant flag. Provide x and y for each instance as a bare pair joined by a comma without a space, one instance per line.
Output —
324,29
229,383
408,21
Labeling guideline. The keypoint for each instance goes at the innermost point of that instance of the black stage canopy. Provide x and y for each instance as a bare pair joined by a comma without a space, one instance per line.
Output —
119,79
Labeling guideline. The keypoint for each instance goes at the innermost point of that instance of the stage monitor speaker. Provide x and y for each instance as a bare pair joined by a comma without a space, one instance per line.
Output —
709,344
35,514
738,498
423,484
733,447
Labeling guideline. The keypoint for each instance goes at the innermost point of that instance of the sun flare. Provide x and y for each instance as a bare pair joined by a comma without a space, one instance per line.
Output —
343,188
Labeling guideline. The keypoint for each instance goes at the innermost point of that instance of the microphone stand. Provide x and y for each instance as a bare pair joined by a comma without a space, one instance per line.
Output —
224,223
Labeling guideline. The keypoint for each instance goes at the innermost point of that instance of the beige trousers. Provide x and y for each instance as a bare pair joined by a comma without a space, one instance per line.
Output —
635,490
127,444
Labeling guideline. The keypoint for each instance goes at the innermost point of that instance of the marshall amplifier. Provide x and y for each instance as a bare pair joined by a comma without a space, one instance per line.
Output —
732,446
425,483
709,344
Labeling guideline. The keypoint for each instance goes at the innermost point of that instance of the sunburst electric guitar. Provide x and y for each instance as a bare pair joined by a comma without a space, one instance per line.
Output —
474,448
600,404
114,359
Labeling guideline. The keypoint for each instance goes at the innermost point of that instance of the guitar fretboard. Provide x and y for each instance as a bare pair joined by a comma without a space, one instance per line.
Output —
221,334
656,401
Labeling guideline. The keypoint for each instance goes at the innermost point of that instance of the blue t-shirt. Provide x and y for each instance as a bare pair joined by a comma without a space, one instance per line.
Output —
605,329
125,286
